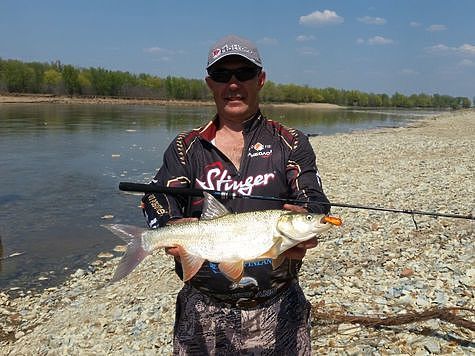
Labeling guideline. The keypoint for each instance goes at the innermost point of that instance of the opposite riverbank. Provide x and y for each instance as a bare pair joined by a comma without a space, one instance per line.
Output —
54,99
375,264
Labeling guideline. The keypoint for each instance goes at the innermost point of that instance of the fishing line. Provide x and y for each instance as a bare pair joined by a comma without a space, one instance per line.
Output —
148,188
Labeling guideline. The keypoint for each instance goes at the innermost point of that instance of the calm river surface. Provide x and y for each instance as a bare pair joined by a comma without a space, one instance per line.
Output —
60,166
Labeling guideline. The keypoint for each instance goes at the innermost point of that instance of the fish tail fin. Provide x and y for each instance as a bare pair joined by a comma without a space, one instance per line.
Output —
135,253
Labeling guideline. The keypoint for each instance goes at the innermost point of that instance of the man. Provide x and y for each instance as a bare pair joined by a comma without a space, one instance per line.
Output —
240,151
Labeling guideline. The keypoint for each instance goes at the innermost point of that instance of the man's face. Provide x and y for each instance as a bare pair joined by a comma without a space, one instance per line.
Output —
236,100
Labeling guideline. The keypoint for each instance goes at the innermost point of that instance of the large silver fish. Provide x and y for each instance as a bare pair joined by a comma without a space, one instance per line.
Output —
222,237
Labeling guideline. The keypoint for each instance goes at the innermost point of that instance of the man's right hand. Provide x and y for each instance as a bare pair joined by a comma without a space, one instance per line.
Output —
174,251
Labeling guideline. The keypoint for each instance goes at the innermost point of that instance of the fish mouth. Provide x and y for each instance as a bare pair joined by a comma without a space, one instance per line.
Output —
334,220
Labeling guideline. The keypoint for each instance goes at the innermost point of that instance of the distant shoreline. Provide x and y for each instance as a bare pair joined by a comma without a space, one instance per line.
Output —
60,99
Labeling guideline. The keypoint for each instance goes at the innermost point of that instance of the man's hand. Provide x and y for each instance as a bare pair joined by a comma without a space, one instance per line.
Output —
298,252
174,251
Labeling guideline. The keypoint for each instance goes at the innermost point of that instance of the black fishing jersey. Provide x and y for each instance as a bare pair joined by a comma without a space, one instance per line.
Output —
276,161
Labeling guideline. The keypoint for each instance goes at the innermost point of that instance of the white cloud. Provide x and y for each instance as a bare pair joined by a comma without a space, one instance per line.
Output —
372,20
318,18
158,50
268,41
307,51
379,40
375,41
305,38
466,63
161,54
439,48
465,49
436,28
415,24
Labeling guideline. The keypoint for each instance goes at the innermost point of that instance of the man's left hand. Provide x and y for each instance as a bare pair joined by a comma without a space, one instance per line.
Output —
298,252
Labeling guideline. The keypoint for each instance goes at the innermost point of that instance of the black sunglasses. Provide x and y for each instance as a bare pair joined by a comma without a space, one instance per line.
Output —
241,74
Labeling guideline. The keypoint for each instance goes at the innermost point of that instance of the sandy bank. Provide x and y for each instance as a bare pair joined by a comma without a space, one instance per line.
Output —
53,99
375,264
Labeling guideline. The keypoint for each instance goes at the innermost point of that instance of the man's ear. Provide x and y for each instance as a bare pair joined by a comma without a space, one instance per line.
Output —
209,82
261,79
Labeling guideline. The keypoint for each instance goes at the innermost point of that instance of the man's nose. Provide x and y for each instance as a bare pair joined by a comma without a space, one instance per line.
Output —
234,82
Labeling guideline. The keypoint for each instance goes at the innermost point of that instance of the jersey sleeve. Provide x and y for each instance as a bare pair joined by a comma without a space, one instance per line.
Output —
303,176
158,208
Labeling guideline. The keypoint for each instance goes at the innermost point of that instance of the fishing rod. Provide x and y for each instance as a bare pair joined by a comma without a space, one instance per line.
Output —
148,188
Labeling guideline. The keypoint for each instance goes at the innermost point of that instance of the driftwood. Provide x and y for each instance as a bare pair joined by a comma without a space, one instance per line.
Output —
446,314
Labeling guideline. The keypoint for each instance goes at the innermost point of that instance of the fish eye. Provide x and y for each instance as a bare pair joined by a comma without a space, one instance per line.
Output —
309,217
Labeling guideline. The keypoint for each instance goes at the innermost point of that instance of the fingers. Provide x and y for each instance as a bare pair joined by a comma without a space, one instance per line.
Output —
295,253
181,220
175,251
309,243
298,252
295,208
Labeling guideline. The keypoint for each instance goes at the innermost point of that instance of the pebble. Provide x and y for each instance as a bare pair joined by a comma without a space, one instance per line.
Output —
432,346
469,278
79,273
19,334
120,248
375,264
105,255
407,272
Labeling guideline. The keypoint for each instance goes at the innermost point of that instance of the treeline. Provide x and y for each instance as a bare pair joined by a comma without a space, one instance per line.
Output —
60,79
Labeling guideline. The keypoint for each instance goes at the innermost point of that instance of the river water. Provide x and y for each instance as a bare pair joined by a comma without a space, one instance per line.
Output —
60,166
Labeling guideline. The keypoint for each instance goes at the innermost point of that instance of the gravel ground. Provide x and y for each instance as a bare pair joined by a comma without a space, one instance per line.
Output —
376,264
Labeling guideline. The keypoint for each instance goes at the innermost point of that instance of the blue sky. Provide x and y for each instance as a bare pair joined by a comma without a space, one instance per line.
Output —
381,46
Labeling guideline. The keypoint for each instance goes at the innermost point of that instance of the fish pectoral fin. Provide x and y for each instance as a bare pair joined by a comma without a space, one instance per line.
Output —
274,251
232,270
277,262
191,264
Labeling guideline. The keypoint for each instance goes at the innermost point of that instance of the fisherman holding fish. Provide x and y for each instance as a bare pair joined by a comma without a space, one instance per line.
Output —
255,306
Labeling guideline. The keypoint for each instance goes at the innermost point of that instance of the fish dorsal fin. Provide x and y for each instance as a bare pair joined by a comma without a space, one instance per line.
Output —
191,264
232,270
277,262
212,208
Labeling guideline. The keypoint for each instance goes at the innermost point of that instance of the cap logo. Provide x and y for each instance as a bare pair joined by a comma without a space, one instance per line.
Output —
227,48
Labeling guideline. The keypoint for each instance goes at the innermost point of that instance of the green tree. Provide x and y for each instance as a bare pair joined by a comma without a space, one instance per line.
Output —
85,82
399,100
18,77
52,80
70,78
375,100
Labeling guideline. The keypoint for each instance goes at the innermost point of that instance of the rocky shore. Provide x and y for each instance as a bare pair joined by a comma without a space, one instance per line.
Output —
376,264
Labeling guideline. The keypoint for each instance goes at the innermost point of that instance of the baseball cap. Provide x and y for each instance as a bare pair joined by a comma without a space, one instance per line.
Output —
234,45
